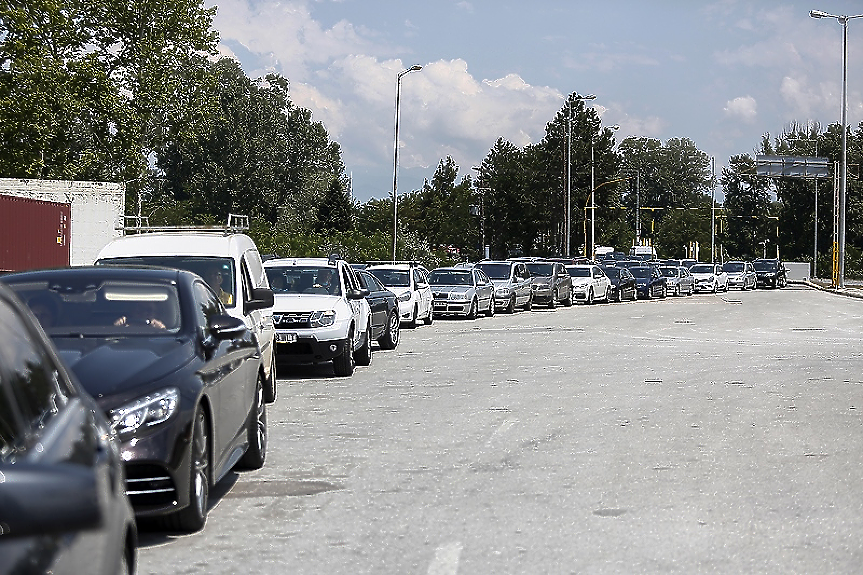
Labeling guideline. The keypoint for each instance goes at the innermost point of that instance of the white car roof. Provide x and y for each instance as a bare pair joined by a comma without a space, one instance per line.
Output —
169,244
281,262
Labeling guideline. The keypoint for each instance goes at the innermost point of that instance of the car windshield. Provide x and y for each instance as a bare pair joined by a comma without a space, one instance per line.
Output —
669,272
640,273
612,273
450,278
321,280
733,267
496,271
765,265
94,306
392,278
218,272
540,269
702,269
579,272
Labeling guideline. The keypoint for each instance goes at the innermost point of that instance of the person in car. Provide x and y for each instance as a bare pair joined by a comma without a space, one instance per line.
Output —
45,308
142,313
214,278
325,281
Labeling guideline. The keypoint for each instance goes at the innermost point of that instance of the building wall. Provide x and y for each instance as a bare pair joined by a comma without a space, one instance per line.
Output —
97,210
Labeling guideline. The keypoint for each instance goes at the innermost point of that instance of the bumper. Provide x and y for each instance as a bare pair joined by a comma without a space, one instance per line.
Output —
736,283
542,295
448,307
309,348
705,286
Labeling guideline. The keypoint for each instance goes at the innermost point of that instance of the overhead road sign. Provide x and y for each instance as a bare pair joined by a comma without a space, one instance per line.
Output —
806,167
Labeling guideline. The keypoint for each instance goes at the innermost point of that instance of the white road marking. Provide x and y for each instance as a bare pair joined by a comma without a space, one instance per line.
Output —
501,429
445,560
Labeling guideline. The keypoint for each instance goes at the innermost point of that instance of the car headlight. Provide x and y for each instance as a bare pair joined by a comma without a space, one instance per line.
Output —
322,318
145,412
459,296
710,279
503,292
405,296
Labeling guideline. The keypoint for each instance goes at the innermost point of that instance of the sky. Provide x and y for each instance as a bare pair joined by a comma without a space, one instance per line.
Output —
722,73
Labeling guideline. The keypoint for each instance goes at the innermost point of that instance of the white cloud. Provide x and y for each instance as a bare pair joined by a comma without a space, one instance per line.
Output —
744,108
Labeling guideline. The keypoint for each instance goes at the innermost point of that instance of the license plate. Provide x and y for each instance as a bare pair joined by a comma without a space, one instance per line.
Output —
286,338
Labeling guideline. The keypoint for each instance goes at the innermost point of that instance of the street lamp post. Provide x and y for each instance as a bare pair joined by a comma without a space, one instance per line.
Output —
815,242
843,177
592,203
396,157
576,96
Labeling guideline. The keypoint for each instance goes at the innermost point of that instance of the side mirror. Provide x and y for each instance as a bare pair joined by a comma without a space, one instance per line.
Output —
262,298
59,497
357,293
226,327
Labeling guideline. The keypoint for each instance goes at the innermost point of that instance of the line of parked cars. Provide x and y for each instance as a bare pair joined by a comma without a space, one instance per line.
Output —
157,364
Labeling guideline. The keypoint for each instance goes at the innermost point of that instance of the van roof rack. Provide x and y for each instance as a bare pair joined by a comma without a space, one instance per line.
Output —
139,225
393,262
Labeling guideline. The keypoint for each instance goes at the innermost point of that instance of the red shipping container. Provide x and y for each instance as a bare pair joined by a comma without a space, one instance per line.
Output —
33,233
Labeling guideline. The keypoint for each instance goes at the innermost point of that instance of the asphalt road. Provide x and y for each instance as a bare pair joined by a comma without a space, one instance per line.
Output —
704,434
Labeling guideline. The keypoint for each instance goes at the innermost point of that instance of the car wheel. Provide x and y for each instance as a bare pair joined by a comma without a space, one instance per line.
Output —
715,287
390,339
607,294
511,307
589,299
491,310
415,320
553,303
194,516
663,292
270,383
429,319
474,309
363,356
256,432
343,365
529,305
568,301
676,291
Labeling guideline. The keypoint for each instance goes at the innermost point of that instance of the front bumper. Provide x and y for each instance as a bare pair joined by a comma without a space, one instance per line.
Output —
309,349
704,285
451,307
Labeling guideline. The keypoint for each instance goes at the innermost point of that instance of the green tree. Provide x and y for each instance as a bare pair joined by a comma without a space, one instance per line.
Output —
746,210
335,212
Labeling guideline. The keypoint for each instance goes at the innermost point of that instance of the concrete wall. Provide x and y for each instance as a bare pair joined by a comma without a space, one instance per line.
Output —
798,271
97,211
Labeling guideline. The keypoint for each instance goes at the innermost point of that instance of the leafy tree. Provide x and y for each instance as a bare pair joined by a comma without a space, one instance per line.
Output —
335,212
747,209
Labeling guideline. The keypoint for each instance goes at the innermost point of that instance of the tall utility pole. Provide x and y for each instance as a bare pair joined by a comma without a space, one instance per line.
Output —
568,226
396,158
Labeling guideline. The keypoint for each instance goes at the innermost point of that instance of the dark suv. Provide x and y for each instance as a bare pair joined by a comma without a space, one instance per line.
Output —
770,273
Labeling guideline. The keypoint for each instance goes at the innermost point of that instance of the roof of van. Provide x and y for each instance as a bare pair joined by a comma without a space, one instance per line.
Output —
191,244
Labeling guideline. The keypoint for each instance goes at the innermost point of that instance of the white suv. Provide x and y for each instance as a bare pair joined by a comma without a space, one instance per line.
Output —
228,261
409,281
320,313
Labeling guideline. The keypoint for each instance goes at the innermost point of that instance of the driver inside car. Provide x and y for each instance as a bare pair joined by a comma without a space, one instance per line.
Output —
142,313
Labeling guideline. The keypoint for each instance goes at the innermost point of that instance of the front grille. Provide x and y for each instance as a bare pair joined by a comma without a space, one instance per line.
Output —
149,486
291,319
298,348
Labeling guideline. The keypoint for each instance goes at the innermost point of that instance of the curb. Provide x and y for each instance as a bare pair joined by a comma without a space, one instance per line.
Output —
846,292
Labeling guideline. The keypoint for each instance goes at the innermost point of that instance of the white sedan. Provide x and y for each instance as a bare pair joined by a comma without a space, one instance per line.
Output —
589,283
709,277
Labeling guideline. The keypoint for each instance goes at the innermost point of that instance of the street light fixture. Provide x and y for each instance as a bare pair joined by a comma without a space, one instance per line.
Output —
415,68
843,185
573,97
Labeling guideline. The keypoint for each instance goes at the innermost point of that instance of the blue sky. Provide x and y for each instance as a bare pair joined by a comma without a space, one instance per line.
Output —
721,73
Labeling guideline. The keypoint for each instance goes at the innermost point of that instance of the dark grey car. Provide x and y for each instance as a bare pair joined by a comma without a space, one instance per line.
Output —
551,283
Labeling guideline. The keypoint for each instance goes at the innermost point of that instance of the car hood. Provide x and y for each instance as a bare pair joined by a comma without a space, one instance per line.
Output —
502,283
306,302
450,289
581,281
112,369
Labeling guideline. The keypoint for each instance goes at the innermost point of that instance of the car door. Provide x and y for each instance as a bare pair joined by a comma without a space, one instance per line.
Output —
423,290
377,302
522,282
482,287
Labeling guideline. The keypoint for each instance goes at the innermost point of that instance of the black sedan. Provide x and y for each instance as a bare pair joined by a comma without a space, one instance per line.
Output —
650,282
770,273
62,504
179,379
623,285
384,305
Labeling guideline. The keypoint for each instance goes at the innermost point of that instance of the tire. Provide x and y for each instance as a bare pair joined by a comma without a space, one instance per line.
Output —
193,517
529,305
589,299
568,301
553,303
256,432
474,311
343,365
715,287
415,322
429,319
270,383
608,294
491,310
676,291
363,356
663,293
511,307
390,338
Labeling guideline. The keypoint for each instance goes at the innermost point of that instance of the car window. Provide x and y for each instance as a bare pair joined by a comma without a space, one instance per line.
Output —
392,278
32,378
206,306
496,271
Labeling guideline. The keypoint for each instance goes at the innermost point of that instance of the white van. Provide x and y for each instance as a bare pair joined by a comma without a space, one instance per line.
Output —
643,252
227,260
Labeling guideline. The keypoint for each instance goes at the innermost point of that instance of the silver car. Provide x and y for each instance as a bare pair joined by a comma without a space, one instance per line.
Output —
550,282
680,281
741,275
511,284
461,292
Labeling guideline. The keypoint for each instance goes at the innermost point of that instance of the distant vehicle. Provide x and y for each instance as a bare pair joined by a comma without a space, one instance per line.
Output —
409,281
550,282
642,252
511,284
178,377
63,504
623,284
709,277
679,280
741,275
320,313
384,307
770,273
589,283
650,282
460,291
